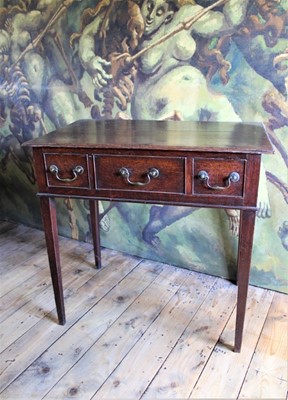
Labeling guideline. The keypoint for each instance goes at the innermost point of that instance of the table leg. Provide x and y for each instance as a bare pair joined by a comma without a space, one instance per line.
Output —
49,218
95,228
246,232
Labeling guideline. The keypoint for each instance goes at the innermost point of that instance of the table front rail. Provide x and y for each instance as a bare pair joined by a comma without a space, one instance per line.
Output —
178,181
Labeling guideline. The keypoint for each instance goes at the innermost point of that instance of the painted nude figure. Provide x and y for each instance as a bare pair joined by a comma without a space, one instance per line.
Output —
165,73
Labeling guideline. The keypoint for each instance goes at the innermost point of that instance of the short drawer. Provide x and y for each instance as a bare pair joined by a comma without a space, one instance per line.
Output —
218,177
145,173
67,170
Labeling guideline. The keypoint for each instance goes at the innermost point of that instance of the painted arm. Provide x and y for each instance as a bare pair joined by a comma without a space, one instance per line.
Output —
95,65
219,23
34,21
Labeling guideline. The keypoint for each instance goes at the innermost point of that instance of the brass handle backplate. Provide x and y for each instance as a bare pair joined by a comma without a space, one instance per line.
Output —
78,170
152,173
232,178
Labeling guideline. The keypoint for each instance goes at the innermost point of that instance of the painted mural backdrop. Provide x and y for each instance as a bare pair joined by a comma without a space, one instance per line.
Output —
149,59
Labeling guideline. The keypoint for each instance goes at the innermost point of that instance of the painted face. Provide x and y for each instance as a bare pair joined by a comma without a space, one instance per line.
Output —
154,13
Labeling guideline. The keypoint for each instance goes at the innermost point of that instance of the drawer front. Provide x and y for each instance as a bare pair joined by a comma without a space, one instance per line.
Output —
67,170
145,173
218,177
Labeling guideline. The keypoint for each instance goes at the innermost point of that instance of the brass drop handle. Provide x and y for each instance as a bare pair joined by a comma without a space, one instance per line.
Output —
78,170
152,173
232,178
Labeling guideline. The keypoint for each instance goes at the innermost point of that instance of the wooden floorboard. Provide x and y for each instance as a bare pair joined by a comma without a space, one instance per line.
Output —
136,329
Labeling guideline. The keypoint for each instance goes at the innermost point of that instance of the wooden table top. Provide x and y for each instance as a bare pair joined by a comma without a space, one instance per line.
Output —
160,135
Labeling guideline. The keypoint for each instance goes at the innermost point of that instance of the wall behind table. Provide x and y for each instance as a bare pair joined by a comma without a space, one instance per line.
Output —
205,73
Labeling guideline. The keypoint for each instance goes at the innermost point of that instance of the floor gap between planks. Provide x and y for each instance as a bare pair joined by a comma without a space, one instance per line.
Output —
136,329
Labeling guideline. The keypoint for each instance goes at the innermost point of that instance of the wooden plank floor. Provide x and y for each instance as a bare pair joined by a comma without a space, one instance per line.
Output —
135,329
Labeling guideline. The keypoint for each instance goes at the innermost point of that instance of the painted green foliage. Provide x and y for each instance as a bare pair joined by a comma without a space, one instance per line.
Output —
149,59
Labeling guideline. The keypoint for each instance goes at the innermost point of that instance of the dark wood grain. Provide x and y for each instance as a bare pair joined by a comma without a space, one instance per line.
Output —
65,163
246,232
161,135
49,218
218,171
179,151
95,230
171,173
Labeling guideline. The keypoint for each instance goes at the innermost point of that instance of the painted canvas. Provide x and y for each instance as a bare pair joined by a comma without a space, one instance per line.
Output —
193,60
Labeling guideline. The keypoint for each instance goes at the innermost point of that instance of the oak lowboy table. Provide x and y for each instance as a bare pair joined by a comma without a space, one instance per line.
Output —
202,164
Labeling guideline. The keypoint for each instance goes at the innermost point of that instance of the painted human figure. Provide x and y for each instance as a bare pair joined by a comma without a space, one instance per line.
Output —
50,92
114,27
165,73
165,76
